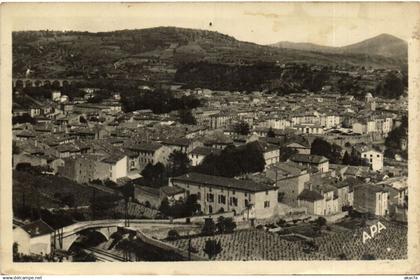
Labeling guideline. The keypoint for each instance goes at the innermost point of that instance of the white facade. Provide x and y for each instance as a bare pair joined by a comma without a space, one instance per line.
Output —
375,159
36,245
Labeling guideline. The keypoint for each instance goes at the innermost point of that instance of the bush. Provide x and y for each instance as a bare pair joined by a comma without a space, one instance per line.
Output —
173,235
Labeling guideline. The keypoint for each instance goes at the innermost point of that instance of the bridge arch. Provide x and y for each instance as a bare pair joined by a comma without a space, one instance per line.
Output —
47,83
28,83
38,83
19,83
69,240
56,84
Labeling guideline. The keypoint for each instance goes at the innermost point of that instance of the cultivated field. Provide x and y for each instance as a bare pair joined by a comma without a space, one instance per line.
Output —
339,243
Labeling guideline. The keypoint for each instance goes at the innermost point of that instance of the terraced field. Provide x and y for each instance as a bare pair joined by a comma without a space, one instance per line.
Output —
253,244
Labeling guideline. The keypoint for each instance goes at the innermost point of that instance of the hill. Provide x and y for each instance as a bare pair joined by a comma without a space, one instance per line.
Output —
157,53
382,45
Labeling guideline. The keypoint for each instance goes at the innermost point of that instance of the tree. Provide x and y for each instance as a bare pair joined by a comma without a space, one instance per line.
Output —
346,158
179,163
234,161
154,174
164,207
82,119
323,148
270,133
241,128
173,234
212,248
391,86
186,117
225,225
209,227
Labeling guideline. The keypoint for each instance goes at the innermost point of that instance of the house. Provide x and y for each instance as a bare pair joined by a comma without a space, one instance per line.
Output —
150,152
309,128
312,201
33,238
117,166
183,145
372,199
219,194
370,155
199,153
84,169
289,180
299,148
152,197
172,193
319,162
271,153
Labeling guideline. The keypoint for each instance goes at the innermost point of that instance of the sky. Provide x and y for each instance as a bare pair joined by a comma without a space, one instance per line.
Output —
332,24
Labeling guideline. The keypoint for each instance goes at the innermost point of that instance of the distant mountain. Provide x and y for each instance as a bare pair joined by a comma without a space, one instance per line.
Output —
303,46
383,45
156,53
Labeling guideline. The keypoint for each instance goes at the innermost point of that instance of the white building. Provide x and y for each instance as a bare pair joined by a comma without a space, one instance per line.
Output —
118,166
375,158
198,154
33,238
220,194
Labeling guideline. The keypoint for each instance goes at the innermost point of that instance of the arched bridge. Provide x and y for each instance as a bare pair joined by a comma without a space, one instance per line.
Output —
32,82
64,237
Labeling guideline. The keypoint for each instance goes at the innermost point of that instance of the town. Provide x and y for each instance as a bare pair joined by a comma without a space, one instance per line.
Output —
163,171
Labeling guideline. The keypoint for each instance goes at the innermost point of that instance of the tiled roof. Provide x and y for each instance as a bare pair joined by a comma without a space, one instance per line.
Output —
37,228
205,151
245,185
145,147
169,191
313,159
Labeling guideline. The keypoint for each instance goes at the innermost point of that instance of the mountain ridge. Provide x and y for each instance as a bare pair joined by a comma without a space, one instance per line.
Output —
384,44
124,53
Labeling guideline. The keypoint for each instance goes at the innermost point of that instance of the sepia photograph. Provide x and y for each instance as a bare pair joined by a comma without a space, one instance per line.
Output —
212,132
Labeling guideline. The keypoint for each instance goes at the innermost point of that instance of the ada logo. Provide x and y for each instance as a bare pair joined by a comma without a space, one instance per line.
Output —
374,229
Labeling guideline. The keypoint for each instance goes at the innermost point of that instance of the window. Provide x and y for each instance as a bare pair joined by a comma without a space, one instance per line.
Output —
221,199
210,197
233,201
266,204
266,192
377,155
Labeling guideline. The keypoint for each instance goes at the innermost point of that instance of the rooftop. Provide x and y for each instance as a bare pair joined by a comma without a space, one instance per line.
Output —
37,228
312,159
230,183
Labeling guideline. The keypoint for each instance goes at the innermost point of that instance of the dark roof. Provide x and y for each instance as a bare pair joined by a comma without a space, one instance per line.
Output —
370,188
205,151
37,228
309,195
169,191
230,183
145,147
113,158
313,159
177,142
